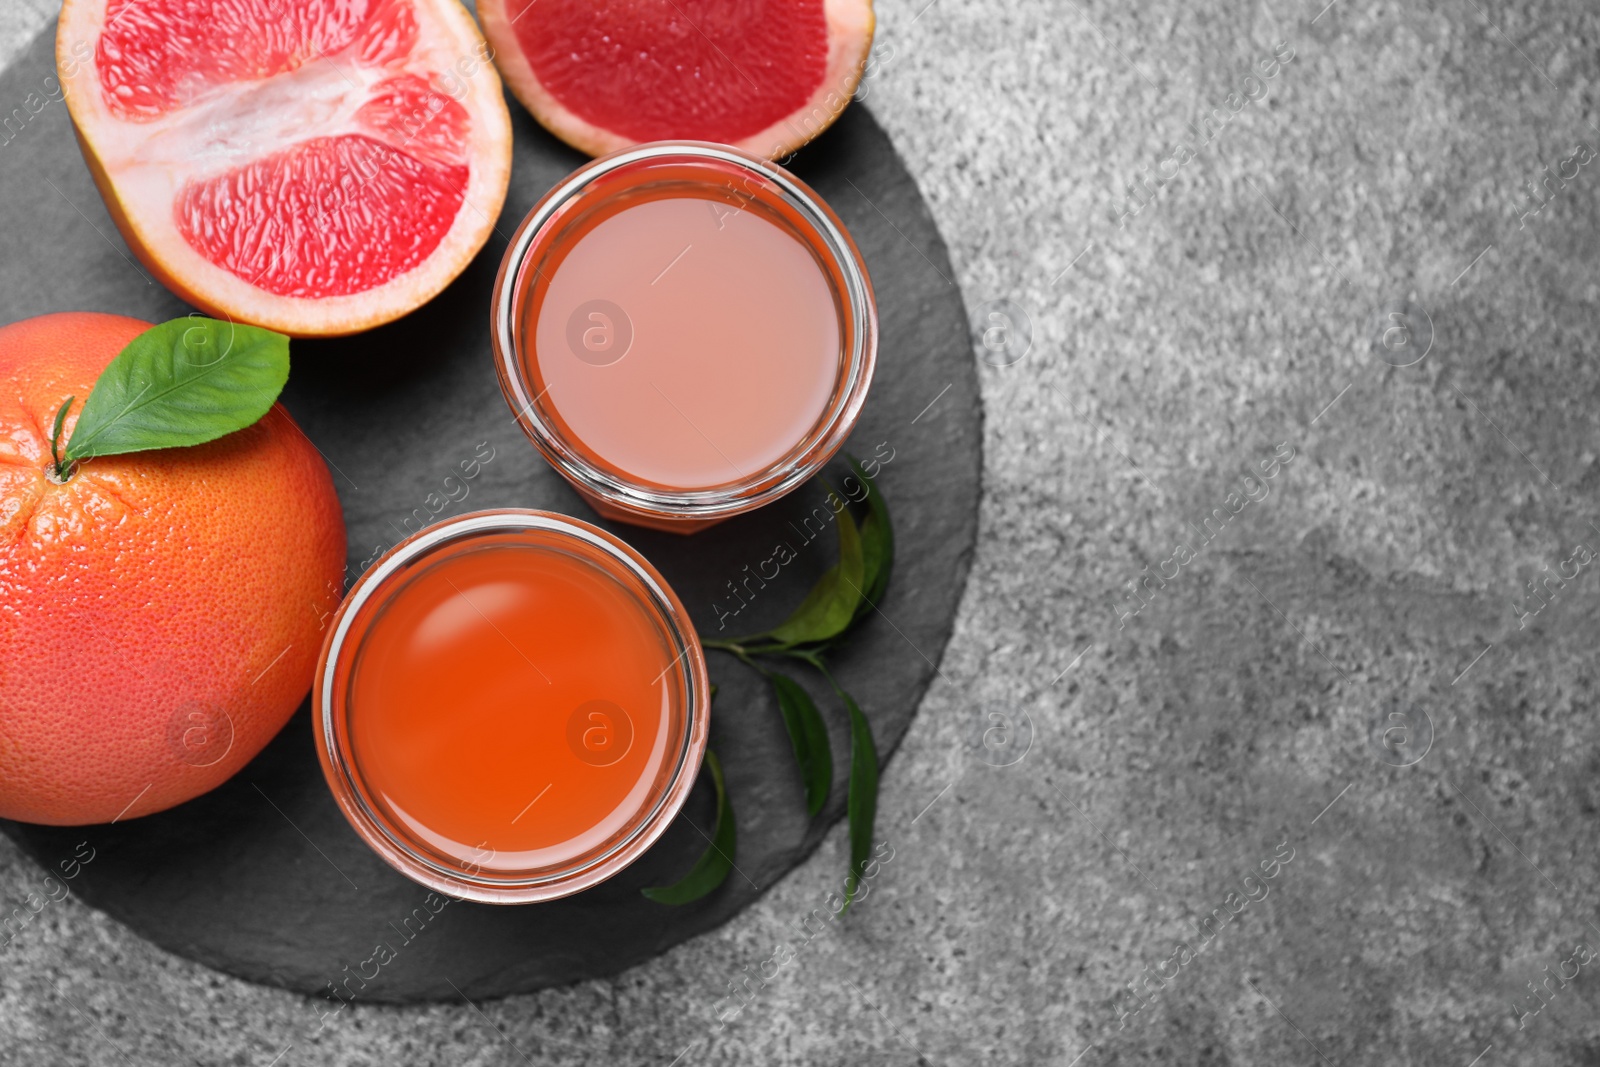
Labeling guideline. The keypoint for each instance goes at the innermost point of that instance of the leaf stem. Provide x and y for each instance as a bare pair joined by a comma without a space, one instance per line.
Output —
733,648
59,471
743,651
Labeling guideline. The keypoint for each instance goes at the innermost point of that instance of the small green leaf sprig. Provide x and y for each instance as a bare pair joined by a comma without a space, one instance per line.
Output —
184,382
716,861
849,591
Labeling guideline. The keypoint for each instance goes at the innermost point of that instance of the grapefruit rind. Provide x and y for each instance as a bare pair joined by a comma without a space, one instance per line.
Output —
850,25
142,168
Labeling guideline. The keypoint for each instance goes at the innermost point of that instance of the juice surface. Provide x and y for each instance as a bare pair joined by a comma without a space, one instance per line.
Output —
686,342
509,706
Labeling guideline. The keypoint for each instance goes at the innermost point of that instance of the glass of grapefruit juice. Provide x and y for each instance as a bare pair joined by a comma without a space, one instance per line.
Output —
685,331
511,706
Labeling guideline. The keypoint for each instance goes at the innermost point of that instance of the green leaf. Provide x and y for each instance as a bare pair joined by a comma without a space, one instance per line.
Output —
184,382
863,804
715,862
809,736
831,605
877,542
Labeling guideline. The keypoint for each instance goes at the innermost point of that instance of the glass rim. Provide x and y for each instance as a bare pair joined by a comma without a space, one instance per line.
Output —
459,881
732,498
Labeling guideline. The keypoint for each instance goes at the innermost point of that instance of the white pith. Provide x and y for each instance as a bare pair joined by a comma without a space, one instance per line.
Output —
237,124
149,162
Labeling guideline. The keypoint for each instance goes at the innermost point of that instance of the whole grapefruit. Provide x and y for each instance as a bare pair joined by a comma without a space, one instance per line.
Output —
160,612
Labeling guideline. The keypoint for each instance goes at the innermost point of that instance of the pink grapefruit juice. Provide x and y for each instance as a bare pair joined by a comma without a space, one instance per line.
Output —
734,347
685,331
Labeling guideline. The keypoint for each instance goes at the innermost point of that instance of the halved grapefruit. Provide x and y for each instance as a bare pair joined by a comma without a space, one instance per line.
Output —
313,166
764,75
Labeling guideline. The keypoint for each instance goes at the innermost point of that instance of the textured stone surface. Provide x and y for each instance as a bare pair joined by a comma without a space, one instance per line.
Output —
1179,750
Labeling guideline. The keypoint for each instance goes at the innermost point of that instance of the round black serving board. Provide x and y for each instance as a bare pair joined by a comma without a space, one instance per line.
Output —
263,878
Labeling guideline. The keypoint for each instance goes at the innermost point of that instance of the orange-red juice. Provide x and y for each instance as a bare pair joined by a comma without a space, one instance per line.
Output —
510,705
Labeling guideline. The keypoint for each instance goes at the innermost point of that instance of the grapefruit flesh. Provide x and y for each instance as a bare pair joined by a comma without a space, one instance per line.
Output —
764,75
160,612
313,166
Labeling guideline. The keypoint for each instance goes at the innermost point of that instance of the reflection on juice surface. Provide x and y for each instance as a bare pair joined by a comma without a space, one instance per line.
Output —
689,342
508,706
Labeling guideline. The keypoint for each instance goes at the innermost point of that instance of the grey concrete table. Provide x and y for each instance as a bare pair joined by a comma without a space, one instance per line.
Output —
1337,675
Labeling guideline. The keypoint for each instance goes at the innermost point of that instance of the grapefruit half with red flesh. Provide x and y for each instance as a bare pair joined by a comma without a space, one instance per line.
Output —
764,75
313,166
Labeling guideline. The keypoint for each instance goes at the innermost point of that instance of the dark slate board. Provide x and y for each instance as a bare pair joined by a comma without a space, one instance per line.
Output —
283,892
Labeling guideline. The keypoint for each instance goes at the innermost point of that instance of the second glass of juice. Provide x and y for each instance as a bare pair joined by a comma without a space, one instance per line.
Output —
685,331
511,706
